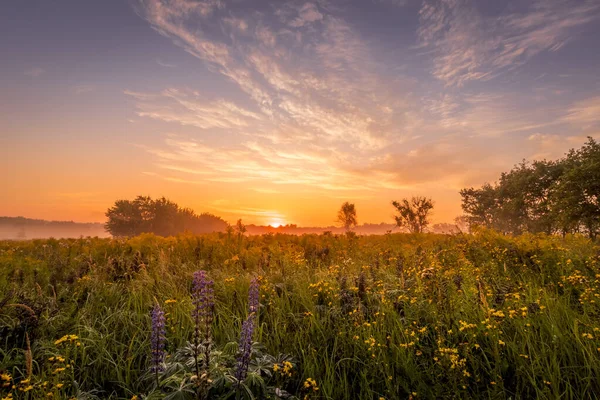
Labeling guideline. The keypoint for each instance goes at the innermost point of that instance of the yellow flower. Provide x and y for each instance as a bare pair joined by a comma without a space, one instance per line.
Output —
311,383
59,385
170,301
5,376
287,367
501,343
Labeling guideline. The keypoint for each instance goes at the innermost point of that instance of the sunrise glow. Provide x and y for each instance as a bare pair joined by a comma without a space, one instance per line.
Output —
274,111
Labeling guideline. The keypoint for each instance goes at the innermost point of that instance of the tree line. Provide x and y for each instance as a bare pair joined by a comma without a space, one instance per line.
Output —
412,214
161,217
553,197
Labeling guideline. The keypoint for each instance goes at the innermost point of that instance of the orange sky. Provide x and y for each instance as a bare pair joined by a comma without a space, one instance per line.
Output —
280,111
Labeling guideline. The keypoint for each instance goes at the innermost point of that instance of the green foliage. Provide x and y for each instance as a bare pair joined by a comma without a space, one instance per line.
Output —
544,196
393,316
413,214
161,217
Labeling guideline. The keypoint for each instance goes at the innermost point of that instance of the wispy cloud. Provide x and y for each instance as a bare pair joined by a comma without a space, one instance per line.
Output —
80,89
165,64
34,72
311,107
190,108
468,45
585,113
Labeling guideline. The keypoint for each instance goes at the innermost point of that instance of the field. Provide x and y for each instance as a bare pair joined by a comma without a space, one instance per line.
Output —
395,316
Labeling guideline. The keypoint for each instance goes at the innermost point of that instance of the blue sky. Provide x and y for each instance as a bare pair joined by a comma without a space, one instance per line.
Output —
281,110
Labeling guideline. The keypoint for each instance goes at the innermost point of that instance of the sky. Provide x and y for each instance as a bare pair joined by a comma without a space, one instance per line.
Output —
279,111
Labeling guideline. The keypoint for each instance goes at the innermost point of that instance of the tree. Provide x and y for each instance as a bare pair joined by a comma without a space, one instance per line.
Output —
577,193
240,228
347,216
161,217
559,196
480,205
124,219
413,214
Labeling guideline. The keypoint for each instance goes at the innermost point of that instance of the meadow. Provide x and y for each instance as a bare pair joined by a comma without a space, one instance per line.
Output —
396,316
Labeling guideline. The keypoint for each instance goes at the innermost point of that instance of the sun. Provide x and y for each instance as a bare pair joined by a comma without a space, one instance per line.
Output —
275,224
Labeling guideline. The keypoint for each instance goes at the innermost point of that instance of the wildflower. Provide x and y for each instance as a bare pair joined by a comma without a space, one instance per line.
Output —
170,301
501,343
287,367
204,301
66,338
157,339
310,383
245,345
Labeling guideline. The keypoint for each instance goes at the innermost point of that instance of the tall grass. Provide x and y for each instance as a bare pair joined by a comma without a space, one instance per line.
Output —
394,316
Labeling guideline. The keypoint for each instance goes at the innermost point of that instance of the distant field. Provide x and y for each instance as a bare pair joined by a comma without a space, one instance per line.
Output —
394,316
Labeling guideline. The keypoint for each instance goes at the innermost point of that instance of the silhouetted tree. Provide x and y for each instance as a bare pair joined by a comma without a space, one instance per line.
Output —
543,196
413,214
347,216
240,227
161,217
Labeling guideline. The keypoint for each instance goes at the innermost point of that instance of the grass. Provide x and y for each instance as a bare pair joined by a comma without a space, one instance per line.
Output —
395,316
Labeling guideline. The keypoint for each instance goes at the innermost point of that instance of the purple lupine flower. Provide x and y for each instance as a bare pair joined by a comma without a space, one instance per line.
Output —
203,300
202,297
157,339
245,346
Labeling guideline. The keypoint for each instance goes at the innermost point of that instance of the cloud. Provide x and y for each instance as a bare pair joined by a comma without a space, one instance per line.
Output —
165,64
307,14
468,46
34,72
80,89
190,108
308,105
585,113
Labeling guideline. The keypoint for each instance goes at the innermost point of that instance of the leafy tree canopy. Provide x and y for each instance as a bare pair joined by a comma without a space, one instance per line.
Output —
559,196
161,217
